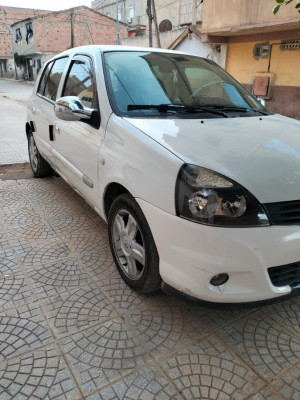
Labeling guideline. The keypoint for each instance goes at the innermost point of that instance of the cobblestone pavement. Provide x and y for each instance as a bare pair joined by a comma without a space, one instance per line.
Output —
72,329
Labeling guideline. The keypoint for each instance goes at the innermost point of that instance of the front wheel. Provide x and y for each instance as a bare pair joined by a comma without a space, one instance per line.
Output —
132,245
39,166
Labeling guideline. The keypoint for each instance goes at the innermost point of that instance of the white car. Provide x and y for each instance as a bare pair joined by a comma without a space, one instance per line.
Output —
199,183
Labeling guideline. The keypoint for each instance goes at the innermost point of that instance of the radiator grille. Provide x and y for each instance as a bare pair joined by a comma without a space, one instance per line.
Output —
285,275
285,213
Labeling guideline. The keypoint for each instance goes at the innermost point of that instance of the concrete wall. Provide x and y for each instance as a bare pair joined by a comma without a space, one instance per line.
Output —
282,67
166,39
232,16
195,47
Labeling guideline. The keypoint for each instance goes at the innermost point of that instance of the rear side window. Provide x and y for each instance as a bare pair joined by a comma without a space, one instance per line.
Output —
51,77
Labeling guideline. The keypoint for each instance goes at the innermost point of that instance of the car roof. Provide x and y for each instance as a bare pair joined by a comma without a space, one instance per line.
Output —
93,49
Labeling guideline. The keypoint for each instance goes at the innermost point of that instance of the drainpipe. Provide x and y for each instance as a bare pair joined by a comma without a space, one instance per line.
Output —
12,46
117,19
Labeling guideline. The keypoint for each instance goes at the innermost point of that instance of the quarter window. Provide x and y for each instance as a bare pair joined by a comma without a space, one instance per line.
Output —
44,78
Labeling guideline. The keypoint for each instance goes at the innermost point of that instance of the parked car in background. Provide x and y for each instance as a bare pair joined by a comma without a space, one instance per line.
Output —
198,182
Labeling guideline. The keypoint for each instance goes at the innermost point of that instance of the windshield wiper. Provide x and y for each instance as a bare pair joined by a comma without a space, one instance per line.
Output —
238,109
231,108
164,108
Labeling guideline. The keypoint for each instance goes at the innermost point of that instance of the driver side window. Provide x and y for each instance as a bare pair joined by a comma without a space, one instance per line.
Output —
80,82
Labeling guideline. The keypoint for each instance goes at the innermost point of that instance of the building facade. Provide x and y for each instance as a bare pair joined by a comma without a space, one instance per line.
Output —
263,50
8,16
38,39
170,14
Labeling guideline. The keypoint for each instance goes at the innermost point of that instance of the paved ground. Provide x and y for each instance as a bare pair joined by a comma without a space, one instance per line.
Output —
13,144
71,329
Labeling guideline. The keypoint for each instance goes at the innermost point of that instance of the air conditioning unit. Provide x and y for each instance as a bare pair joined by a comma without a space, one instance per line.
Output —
129,20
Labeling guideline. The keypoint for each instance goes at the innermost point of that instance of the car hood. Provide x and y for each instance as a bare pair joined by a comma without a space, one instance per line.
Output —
260,153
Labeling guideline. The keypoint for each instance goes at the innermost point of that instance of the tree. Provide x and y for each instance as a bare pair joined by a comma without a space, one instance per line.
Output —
285,2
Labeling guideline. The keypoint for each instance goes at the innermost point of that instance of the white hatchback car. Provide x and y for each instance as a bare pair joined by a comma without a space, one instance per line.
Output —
199,183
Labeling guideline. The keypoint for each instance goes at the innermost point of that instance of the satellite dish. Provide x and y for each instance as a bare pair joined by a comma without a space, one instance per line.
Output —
165,26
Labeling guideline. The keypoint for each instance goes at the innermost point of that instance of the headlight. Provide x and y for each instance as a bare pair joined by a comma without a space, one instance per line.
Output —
209,198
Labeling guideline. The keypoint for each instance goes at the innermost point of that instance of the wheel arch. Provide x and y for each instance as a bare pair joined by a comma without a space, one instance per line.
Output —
112,191
27,128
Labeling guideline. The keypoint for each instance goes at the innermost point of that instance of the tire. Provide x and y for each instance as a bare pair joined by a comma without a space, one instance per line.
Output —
132,245
39,166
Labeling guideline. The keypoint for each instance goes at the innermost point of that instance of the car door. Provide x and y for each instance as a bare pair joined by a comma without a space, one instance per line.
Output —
42,106
77,143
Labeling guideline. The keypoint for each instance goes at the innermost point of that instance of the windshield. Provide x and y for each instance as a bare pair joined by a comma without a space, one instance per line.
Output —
145,83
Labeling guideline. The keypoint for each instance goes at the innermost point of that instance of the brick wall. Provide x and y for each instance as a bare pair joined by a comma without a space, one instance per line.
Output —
10,15
53,32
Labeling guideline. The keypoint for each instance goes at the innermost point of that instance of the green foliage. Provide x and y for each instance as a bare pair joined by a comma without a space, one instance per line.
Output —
285,2
139,32
19,60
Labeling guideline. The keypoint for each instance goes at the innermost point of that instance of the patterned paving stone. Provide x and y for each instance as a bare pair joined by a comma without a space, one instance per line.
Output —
123,297
85,243
209,371
77,223
41,374
44,194
22,329
40,252
4,243
215,317
24,216
8,262
99,264
38,231
165,325
286,313
55,208
262,343
101,355
288,384
57,277
267,394
13,197
77,310
14,290
146,385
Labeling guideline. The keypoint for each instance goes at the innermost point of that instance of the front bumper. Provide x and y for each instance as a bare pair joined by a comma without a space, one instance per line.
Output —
191,254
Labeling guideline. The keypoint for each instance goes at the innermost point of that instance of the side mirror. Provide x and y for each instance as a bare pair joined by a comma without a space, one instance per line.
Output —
262,102
70,108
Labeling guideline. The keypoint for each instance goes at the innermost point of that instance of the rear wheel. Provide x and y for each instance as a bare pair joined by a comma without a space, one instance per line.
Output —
39,166
132,245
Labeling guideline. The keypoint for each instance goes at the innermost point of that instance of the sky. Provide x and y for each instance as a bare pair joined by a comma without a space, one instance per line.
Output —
53,5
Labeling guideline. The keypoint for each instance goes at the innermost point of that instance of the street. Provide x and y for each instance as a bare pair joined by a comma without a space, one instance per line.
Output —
70,328
13,144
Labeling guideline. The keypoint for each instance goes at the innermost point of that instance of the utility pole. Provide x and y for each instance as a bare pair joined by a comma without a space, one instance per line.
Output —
12,45
156,25
72,29
150,21
117,19
194,12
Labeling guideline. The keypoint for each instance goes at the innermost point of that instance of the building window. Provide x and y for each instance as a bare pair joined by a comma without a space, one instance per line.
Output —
261,50
18,35
29,31
131,12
